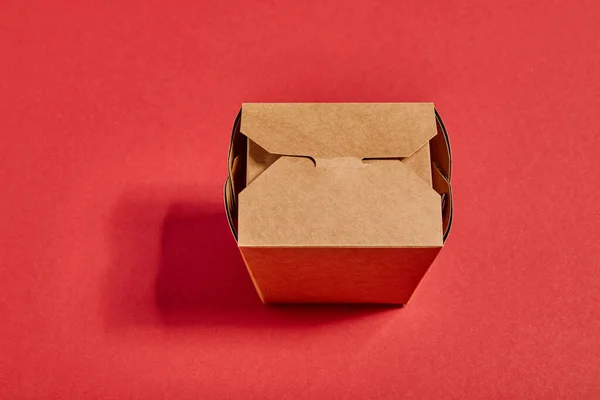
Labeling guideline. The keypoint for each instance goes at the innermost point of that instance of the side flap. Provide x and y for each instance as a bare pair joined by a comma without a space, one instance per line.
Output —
420,163
337,130
294,204
440,148
236,160
442,186
258,160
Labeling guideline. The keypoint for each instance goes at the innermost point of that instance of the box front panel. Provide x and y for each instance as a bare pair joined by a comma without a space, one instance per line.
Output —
337,275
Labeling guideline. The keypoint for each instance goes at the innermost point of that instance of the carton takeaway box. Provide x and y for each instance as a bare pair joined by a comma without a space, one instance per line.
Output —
339,203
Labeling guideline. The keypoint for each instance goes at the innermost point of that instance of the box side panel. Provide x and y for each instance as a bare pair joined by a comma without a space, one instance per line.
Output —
442,186
441,157
236,179
440,148
337,275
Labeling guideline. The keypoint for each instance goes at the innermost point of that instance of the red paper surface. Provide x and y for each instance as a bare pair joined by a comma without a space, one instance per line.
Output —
119,277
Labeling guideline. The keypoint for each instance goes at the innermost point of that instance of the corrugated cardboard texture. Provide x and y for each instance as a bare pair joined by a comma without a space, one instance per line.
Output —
330,275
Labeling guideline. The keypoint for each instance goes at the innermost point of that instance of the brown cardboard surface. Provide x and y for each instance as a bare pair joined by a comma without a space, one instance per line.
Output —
334,130
293,203
437,150
258,160
343,193
341,201
420,163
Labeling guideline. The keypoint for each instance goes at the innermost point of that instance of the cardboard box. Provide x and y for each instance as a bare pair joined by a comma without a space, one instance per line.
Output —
339,203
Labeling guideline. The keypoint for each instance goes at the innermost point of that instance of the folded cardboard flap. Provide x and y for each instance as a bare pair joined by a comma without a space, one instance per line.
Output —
440,148
340,130
293,203
341,199
235,182
255,160
351,129
259,160
442,186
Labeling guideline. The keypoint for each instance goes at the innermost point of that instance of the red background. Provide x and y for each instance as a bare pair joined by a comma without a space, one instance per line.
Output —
119,277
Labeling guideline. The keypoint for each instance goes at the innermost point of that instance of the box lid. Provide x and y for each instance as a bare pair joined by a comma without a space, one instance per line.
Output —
332,130
323,193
